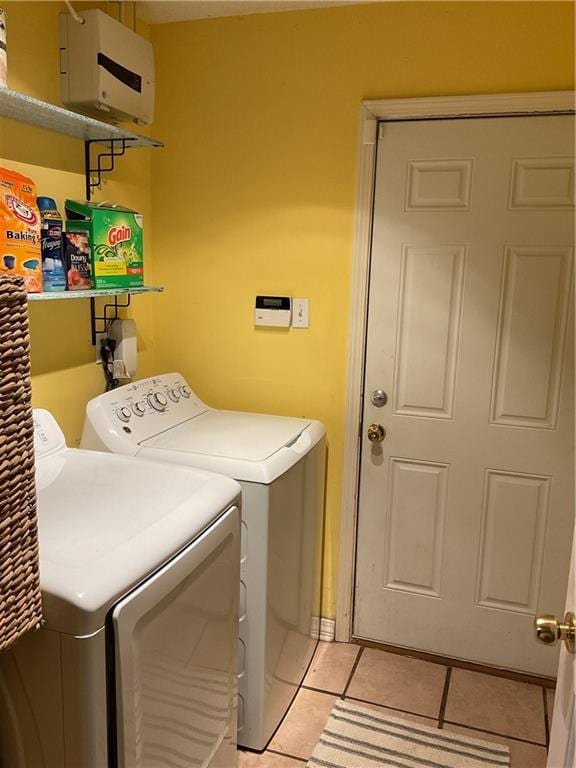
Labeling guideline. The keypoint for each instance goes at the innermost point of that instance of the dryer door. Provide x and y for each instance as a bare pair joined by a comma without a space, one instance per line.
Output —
175,643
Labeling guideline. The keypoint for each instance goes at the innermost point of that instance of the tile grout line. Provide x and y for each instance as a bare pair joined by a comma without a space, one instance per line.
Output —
495,733
284,754
546,718
352,671
444,699
448,661
439,722
319,690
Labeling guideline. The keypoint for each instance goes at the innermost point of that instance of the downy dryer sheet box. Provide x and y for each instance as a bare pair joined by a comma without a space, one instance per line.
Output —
78,264
116,243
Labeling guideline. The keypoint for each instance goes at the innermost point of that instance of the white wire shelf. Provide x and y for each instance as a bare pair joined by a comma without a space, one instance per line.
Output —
93,294
26,109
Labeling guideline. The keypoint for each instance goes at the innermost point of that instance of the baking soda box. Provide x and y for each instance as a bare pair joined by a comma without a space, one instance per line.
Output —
20,230
115,240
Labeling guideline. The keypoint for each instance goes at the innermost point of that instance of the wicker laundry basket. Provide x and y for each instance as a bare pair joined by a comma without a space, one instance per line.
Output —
20,603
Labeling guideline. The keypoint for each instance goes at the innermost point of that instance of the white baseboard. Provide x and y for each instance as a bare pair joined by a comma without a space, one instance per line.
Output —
323,629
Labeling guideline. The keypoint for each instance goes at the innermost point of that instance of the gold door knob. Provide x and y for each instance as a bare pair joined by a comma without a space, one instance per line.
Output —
376,433
549,630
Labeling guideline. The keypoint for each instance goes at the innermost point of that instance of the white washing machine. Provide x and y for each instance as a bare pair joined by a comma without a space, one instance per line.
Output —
280,464
135,664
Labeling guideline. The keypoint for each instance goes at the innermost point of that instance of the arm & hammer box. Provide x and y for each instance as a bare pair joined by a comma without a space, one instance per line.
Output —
116,242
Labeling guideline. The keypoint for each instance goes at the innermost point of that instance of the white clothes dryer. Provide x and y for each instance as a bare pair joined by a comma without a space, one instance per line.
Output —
135,664
280,464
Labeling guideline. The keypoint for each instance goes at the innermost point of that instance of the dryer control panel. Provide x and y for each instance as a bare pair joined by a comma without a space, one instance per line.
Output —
48,437
140,410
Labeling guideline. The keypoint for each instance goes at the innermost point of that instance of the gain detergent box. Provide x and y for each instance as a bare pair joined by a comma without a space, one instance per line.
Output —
115,241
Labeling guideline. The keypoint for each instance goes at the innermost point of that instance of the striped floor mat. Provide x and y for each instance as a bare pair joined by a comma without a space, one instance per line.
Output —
358,737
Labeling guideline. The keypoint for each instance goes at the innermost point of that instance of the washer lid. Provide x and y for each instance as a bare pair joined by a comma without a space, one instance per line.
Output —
106,522
236,435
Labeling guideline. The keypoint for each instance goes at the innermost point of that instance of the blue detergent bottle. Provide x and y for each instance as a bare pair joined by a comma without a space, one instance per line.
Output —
53,272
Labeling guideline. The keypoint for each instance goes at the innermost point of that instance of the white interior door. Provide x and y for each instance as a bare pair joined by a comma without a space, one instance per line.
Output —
465,517
562,752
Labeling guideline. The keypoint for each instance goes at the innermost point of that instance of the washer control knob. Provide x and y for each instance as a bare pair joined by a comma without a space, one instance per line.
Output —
185,390
124,413
139,408
157,401
174,395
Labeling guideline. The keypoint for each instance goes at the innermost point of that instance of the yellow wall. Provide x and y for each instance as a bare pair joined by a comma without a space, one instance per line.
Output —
255,190
64,373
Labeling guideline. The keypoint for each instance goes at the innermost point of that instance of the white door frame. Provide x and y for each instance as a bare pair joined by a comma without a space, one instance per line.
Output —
371,112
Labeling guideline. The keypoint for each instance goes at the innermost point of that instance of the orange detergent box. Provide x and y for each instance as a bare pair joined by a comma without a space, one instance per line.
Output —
20,230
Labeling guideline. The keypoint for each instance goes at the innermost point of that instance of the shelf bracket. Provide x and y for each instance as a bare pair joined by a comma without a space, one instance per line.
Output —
99,323
104,162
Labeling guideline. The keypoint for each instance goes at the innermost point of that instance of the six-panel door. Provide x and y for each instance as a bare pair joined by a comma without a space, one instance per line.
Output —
466,507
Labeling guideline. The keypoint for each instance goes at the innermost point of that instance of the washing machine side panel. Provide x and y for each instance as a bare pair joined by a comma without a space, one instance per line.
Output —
296,509
31,703
316,515
84,700
282,573
176,640
253,682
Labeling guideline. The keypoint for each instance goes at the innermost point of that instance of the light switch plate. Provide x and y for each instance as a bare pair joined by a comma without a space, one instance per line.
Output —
300,313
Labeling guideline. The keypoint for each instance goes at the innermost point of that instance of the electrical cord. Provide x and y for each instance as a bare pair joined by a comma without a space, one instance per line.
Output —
73,13
107,347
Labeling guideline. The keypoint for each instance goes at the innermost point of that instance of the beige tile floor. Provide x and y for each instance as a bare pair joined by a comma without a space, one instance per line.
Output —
480,705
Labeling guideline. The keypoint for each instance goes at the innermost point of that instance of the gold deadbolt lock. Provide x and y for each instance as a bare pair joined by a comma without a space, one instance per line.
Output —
549,630
376,433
